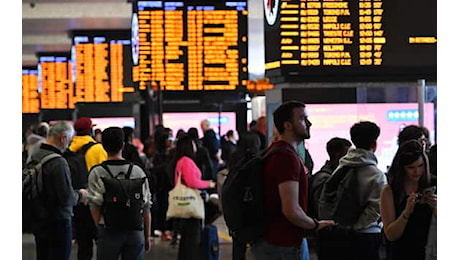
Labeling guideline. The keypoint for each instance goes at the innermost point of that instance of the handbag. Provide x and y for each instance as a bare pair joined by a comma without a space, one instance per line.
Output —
184,202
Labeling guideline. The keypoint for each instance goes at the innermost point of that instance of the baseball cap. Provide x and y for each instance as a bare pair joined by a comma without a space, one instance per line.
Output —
83,126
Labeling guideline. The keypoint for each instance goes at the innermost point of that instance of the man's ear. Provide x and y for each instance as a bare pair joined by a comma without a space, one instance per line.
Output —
62,137
122,146
374,146
287,125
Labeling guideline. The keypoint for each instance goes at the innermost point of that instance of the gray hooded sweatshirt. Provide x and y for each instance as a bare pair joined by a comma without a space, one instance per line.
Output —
371,181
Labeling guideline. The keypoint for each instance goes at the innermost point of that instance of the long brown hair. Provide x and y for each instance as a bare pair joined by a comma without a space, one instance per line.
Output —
408,152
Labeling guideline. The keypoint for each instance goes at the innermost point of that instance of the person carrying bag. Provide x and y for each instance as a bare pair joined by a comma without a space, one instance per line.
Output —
185,202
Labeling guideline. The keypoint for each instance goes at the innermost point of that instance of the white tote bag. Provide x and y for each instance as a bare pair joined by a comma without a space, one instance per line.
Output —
184,202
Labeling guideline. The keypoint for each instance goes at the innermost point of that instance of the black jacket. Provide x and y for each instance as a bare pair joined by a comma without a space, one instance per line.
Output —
211,143
57,185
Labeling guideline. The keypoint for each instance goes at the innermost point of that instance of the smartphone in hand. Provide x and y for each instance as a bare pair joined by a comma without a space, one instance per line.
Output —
427,191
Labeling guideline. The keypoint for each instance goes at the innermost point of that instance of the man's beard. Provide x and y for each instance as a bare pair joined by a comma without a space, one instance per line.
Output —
303,135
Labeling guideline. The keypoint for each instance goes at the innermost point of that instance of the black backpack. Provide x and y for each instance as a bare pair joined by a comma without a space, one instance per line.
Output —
77,164
123,205
339,198
34,212
243,198
315,186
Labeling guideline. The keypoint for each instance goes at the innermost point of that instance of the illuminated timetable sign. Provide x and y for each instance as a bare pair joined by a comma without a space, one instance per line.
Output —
55,81
102,65
349,38
30,98
190,45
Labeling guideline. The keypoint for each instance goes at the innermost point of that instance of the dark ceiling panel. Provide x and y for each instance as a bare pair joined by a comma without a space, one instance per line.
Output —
59,26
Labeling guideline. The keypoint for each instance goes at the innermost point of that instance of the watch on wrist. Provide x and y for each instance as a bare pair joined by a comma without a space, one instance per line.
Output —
316,224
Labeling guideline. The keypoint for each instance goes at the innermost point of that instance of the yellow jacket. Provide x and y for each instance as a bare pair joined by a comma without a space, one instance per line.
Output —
95,154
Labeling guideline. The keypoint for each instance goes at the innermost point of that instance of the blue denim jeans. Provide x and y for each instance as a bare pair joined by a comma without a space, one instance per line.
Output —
262,250
54,241
111,244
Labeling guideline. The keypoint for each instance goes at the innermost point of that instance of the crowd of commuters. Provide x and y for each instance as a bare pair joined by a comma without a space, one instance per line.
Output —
398,207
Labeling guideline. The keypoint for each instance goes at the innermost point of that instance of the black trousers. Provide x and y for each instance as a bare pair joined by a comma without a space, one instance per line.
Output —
85,231
190,240
238,250
54,241
335,243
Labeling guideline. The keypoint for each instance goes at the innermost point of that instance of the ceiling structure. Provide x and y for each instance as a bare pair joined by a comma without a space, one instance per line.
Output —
46,25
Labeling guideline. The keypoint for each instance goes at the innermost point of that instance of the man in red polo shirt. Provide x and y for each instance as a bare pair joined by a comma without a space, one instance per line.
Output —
286,190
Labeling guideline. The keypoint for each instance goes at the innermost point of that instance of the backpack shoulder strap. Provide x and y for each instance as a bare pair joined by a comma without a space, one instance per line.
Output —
104,165
269,152
130,169
40,167
49,157
338,176
86,147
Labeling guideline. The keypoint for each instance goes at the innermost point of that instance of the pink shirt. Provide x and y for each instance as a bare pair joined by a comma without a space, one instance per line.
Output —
190,174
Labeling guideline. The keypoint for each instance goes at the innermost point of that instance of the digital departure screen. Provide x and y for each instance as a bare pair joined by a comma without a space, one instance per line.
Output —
102,65
190,45
55,81
30,98
350,38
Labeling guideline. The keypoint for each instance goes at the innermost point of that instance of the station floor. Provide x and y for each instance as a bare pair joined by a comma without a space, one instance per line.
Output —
161,250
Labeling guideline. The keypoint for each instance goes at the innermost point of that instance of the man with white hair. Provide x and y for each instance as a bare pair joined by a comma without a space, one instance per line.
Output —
54,239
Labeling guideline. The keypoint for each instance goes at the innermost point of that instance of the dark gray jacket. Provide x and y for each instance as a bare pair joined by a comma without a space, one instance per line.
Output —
371,181
59,194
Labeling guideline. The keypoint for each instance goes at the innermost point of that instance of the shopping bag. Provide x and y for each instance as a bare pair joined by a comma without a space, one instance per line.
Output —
184,202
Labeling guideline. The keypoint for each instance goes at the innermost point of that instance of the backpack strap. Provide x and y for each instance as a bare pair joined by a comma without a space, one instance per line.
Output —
268,152
104,165
125,191
41,163
49,157
130,169
127,175
86,147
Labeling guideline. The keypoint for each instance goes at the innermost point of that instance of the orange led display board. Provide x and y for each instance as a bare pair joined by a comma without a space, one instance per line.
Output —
350,38
190,45
55,81
102,65
30,98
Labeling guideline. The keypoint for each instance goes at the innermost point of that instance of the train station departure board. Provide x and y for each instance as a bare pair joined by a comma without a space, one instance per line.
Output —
102,65
190,45
55,81
350,38
30,98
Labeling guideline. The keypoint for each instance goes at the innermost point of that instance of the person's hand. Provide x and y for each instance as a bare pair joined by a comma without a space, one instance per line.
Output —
410,204
325,223
148,244
212,184
432,200
84,196
220,162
